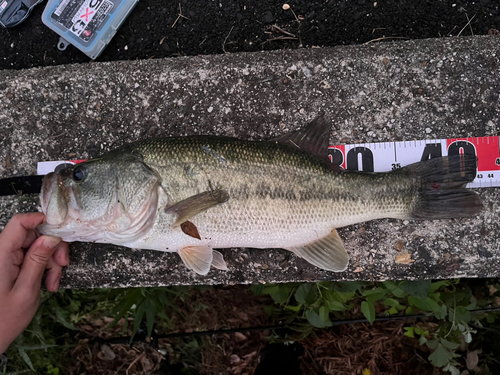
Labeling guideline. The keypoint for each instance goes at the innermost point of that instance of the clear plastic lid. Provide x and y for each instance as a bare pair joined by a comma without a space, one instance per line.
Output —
89,25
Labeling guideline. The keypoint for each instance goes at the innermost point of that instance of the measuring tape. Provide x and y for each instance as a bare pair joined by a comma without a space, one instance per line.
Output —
387,156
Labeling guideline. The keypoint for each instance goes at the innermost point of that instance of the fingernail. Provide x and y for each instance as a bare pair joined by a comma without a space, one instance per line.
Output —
55,286
51,242
61,254
65,259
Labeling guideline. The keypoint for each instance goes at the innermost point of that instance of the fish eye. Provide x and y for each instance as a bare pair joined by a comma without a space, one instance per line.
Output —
78,174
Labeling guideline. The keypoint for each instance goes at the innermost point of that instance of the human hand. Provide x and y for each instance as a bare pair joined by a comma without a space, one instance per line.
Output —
23,260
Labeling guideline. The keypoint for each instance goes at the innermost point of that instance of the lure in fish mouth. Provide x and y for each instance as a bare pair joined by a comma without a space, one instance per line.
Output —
191,195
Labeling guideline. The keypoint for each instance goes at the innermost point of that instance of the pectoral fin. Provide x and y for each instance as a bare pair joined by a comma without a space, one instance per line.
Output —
327,253
197,258
196,204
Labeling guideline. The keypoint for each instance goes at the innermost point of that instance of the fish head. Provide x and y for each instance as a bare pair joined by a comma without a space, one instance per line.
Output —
112,199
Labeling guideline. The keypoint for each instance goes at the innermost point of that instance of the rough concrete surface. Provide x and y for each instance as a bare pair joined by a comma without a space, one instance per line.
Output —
425,89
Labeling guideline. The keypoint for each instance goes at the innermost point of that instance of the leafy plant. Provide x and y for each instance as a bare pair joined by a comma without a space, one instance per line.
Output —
446,300
42,346
147,303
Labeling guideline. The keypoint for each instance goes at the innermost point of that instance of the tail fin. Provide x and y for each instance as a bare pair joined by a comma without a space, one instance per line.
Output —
440,188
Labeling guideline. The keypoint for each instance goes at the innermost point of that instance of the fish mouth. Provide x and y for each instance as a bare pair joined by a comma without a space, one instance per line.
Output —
54,199
47,186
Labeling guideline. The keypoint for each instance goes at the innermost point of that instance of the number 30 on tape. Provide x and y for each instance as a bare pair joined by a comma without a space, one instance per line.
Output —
386,156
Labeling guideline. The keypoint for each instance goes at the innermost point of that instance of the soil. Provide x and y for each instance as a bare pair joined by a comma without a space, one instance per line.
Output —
349,349
213,27
341,350
208,309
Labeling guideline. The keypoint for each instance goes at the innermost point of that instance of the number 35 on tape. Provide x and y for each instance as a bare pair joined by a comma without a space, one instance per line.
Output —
386,156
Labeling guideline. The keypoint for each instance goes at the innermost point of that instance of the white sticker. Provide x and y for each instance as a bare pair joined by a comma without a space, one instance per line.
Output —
61,7
86,13
83,17
45,167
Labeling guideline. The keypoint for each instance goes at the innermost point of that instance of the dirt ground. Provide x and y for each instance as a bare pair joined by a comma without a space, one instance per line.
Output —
212,27
342,350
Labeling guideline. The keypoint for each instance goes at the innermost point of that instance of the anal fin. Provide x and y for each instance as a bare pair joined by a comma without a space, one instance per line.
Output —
327,253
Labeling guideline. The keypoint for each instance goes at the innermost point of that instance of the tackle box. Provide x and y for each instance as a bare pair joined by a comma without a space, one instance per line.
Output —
89,25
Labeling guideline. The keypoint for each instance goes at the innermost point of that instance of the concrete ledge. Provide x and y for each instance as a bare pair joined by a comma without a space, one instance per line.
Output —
379,92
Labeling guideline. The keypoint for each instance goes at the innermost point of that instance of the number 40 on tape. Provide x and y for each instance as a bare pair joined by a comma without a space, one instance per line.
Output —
386,156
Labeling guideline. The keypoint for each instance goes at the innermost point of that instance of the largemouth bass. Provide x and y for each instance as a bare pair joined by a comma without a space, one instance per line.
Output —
191,195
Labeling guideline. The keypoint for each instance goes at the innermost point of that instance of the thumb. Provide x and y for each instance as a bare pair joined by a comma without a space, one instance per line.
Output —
35,261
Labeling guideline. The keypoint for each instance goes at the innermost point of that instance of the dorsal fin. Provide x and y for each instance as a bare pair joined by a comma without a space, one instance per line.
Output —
314,138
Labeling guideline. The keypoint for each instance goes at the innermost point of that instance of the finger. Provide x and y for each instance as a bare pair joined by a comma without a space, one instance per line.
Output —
8,276
59,259
9,269
61,256
53,276
20,231
30,238
35,262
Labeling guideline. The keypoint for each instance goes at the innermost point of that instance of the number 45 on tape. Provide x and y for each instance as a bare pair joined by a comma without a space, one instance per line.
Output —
386,156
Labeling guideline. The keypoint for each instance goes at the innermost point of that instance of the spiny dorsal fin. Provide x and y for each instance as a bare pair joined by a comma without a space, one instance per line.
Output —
314,138
327,253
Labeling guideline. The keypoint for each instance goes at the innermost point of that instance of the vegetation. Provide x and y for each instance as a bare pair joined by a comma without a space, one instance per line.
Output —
45,344
451,334
458,308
